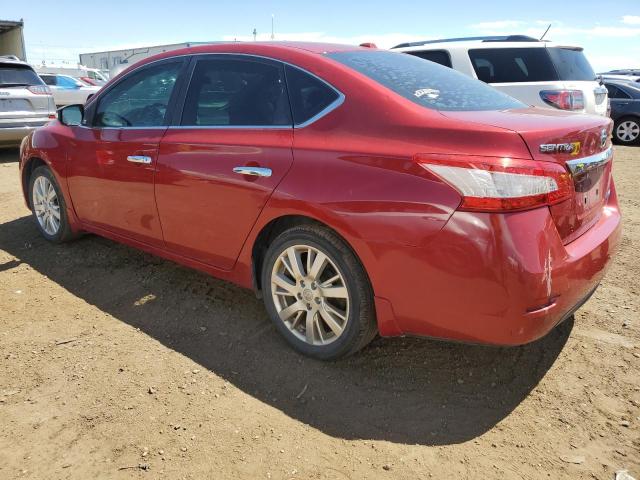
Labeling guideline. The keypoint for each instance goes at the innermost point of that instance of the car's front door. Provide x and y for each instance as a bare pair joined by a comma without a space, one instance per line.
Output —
220,162
112,165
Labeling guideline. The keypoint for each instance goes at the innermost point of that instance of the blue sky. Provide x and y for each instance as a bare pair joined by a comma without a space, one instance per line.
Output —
60,30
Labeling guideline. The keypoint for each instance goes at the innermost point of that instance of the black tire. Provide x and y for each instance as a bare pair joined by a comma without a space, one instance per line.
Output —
621,141
64,232
360,326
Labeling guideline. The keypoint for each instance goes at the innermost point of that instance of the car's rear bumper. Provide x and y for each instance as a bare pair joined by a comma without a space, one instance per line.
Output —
503,279
12,136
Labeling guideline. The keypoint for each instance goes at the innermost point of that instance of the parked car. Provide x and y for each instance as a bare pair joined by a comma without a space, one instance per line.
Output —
25,101
68,90
622,78
625,111
624,71
537,73
92,76
356,190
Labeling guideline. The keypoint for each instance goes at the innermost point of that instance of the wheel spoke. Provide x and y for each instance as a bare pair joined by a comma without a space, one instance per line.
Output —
287,312
295,263
335,292
331,322
281,281
55,211
319,262
334,311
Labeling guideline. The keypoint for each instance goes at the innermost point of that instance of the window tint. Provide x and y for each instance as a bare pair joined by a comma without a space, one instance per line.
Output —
438,56
140,99
615,92
236,93
15,75
507,65
309,95
426,83
48,79
571,64
67,82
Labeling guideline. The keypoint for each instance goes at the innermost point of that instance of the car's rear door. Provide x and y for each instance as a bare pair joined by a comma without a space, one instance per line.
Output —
113,160
222,157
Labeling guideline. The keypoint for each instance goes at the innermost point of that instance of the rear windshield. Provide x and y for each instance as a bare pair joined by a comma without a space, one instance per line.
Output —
571,64
516,65
426,83
12,75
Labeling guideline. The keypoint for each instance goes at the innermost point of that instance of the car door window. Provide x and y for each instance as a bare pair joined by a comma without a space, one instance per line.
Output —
66,82
309,95
437,56
236,93
49,79
615,92
141,99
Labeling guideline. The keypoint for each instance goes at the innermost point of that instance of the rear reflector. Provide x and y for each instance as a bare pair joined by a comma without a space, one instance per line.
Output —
563,99
39,89
493,184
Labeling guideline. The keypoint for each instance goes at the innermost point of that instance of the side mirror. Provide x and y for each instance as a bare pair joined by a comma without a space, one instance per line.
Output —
71,115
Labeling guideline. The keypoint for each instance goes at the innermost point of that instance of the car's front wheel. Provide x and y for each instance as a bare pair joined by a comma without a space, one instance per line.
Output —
317,293
48,207
627,131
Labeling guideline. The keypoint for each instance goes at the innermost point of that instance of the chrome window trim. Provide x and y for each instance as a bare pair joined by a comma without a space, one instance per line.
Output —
328,109
582,165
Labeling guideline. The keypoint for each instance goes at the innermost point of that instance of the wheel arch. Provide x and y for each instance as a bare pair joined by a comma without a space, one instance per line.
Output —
29,166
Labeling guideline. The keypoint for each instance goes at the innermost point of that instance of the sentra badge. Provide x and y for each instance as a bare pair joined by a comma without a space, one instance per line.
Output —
572,148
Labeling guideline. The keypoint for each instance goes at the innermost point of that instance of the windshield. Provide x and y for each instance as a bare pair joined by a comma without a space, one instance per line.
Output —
426,83
12,75
571,64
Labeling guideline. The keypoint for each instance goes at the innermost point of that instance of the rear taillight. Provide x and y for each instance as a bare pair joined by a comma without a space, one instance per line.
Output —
39,89
563,99
491,184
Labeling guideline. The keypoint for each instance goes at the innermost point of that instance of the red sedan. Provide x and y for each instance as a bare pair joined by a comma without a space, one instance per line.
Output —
358,191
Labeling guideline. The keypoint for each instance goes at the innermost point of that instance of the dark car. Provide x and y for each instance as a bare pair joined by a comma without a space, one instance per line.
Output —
625,111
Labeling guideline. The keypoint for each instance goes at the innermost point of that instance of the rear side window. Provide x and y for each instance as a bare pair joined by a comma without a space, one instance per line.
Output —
48,79
571,64
512,65
426,83
11,75
440,57
236,93
309,95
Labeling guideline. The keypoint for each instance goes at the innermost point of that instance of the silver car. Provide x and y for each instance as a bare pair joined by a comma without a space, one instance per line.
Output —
26,102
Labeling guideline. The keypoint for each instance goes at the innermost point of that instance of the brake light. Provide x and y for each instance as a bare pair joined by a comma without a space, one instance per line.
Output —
563,99
39,89
492,184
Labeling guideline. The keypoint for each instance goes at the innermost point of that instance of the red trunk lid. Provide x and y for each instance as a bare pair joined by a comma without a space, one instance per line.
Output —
579,142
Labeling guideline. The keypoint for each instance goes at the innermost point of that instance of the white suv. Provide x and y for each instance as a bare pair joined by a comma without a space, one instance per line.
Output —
26,102
535,72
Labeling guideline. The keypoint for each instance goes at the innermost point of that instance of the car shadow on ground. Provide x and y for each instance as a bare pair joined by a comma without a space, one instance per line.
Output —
413,391
8,155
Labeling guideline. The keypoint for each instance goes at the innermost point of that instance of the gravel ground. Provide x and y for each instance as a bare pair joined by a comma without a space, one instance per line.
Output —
116,364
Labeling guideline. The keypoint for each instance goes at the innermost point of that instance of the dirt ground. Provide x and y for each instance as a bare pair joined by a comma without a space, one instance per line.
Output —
116,364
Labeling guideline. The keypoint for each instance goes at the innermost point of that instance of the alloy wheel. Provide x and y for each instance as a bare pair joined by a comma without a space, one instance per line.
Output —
628,131
310,294
46,205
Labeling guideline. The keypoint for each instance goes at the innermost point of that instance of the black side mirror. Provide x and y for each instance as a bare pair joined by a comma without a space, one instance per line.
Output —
71,115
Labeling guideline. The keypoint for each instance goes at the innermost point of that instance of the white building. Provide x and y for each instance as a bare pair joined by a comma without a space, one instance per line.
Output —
117,59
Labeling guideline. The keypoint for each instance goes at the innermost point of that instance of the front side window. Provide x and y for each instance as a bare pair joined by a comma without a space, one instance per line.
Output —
141,99
615,92
236,93
426,83
513,65
309,95
67,82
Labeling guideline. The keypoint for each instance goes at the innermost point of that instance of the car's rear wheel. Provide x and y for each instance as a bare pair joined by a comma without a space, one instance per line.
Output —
48,207
317,293
627,131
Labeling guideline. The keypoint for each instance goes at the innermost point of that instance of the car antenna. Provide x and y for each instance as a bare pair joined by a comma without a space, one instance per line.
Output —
545,32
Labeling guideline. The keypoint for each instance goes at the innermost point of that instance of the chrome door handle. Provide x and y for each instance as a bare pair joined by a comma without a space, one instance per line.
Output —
139,159
253,171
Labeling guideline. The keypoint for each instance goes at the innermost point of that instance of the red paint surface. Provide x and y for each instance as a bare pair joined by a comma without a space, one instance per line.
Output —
481,277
